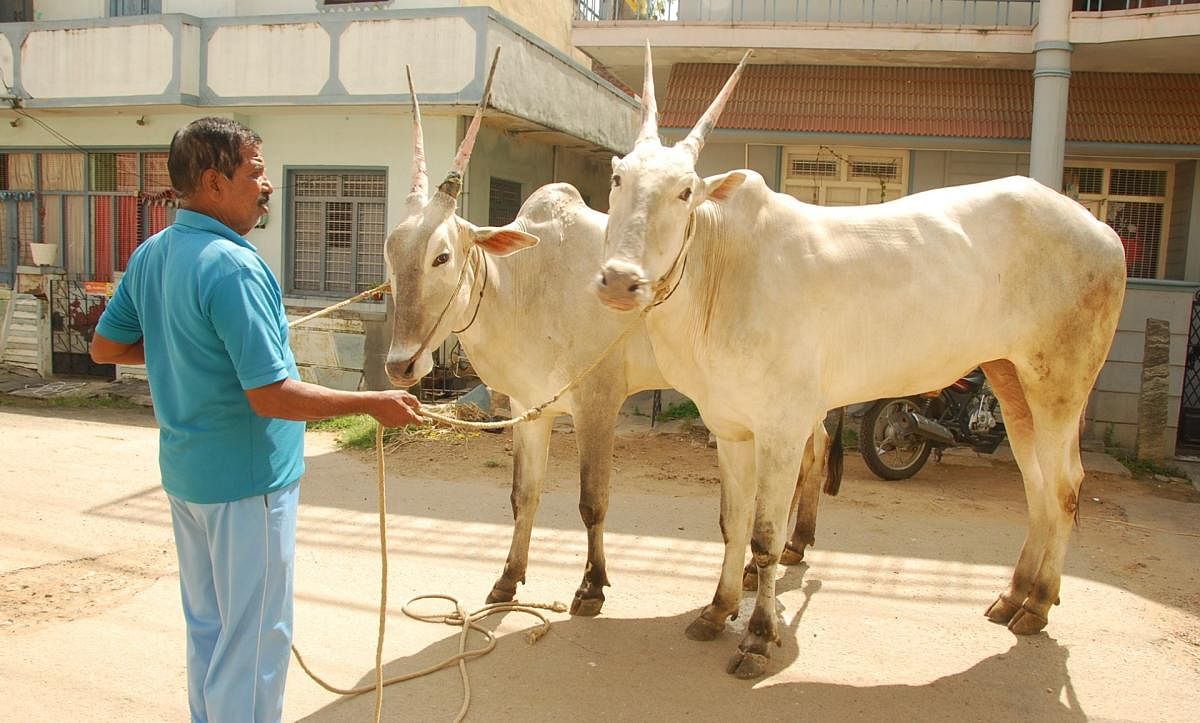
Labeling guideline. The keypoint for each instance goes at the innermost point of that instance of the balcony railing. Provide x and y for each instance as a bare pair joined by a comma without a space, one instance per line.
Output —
1096,6
874,12
1021,13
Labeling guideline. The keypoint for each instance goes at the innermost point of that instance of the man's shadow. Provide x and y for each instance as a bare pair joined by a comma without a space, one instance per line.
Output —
606,668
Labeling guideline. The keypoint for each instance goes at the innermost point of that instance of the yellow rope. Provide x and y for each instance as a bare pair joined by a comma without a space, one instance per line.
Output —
328,309
468,621
533,412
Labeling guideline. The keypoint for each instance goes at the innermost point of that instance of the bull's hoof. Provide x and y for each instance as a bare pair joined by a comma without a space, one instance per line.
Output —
1002,611
746,665
750,579
791,556
501,593
1027,622
587,607
704,630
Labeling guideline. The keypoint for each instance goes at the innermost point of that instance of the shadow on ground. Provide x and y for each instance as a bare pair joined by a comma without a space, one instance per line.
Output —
601,669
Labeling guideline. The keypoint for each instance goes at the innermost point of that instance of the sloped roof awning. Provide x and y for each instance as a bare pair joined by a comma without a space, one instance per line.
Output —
1153,108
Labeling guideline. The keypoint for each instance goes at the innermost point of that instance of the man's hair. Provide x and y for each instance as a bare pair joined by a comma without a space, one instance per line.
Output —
205,143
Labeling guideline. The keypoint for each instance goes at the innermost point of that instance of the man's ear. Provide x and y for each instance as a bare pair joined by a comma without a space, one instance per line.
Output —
503,240
210,181
719,188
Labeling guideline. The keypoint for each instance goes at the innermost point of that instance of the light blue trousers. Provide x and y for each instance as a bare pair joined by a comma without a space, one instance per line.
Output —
236,561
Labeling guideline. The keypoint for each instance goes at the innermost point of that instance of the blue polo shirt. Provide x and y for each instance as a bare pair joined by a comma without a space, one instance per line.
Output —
211,315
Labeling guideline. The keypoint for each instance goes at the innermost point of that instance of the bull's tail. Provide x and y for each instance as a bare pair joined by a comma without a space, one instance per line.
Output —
833,465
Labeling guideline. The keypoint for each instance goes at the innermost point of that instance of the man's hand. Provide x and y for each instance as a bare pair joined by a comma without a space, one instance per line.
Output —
396,408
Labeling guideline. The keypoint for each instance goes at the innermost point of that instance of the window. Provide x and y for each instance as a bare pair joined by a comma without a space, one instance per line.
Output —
96,207
827,176
1133,200
338,224
504,201
122,8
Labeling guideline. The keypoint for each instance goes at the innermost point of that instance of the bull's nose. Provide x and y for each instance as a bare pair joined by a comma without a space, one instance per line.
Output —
620,281
400,372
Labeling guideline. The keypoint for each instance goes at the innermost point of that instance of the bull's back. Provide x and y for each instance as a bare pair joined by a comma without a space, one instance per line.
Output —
944,278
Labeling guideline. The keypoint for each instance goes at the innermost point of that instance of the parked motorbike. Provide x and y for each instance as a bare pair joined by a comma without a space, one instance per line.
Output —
898,435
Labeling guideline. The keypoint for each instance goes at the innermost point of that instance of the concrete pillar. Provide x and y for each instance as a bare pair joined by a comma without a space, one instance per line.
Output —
1152,401
1051,81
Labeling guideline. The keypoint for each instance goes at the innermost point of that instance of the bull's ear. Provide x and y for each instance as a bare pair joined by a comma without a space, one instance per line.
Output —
719,188
503,240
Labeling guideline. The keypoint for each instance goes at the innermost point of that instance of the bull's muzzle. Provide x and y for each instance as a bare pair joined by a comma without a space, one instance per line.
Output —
404,372
621,286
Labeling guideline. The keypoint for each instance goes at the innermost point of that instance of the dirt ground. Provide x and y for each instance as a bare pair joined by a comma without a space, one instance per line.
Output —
885,621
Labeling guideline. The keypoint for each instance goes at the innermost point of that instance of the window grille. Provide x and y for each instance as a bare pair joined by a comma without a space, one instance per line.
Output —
122,8
1137,182
338,223
888,170
1086,180
504,201
813,167
1133,200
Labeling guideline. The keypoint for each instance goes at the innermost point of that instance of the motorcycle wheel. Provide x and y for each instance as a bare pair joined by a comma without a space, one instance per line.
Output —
888,454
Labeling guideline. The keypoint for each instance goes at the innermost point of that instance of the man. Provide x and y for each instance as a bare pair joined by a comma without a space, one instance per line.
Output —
203,312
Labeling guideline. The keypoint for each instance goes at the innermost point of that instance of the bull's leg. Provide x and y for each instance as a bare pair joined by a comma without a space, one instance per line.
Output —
804,506
736,461
531,445
1018,424
1052,472
595,422
809,494
776,466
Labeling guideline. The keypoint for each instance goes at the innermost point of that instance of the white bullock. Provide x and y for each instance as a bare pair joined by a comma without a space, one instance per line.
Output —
844,305
529,325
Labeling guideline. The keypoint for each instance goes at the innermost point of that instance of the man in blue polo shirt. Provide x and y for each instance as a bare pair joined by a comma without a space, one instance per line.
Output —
201,309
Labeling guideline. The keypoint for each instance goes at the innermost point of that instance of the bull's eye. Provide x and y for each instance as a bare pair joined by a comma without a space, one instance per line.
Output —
685,194
616,180
441,259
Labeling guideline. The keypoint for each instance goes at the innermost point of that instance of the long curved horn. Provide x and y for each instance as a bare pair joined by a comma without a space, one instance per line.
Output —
420,174
649,104
695,140
453,183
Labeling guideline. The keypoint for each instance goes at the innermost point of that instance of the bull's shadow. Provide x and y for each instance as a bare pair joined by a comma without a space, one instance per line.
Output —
602,669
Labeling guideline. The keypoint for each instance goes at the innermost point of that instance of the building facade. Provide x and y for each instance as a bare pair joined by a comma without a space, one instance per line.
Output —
96,88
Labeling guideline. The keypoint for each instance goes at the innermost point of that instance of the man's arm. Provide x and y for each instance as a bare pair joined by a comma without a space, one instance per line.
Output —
107,351
301,401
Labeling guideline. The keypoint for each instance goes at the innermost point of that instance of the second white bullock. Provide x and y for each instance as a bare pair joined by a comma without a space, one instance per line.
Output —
844,305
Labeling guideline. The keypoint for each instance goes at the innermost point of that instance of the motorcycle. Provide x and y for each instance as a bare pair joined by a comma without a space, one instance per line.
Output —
898,435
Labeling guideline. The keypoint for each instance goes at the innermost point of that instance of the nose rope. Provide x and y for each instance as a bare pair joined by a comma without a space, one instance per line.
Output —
680,260
480,265
462,274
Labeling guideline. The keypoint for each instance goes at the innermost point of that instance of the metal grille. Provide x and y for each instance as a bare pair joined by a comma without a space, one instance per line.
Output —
1137,182
813,167
25,232
1085,180
372,229
73,317
62,171
308,246
1188,440
887,170
114,172
504,201
1139,225
338,225
155,178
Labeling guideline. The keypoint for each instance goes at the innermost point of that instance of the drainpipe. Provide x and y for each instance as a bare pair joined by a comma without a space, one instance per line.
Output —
1051,83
